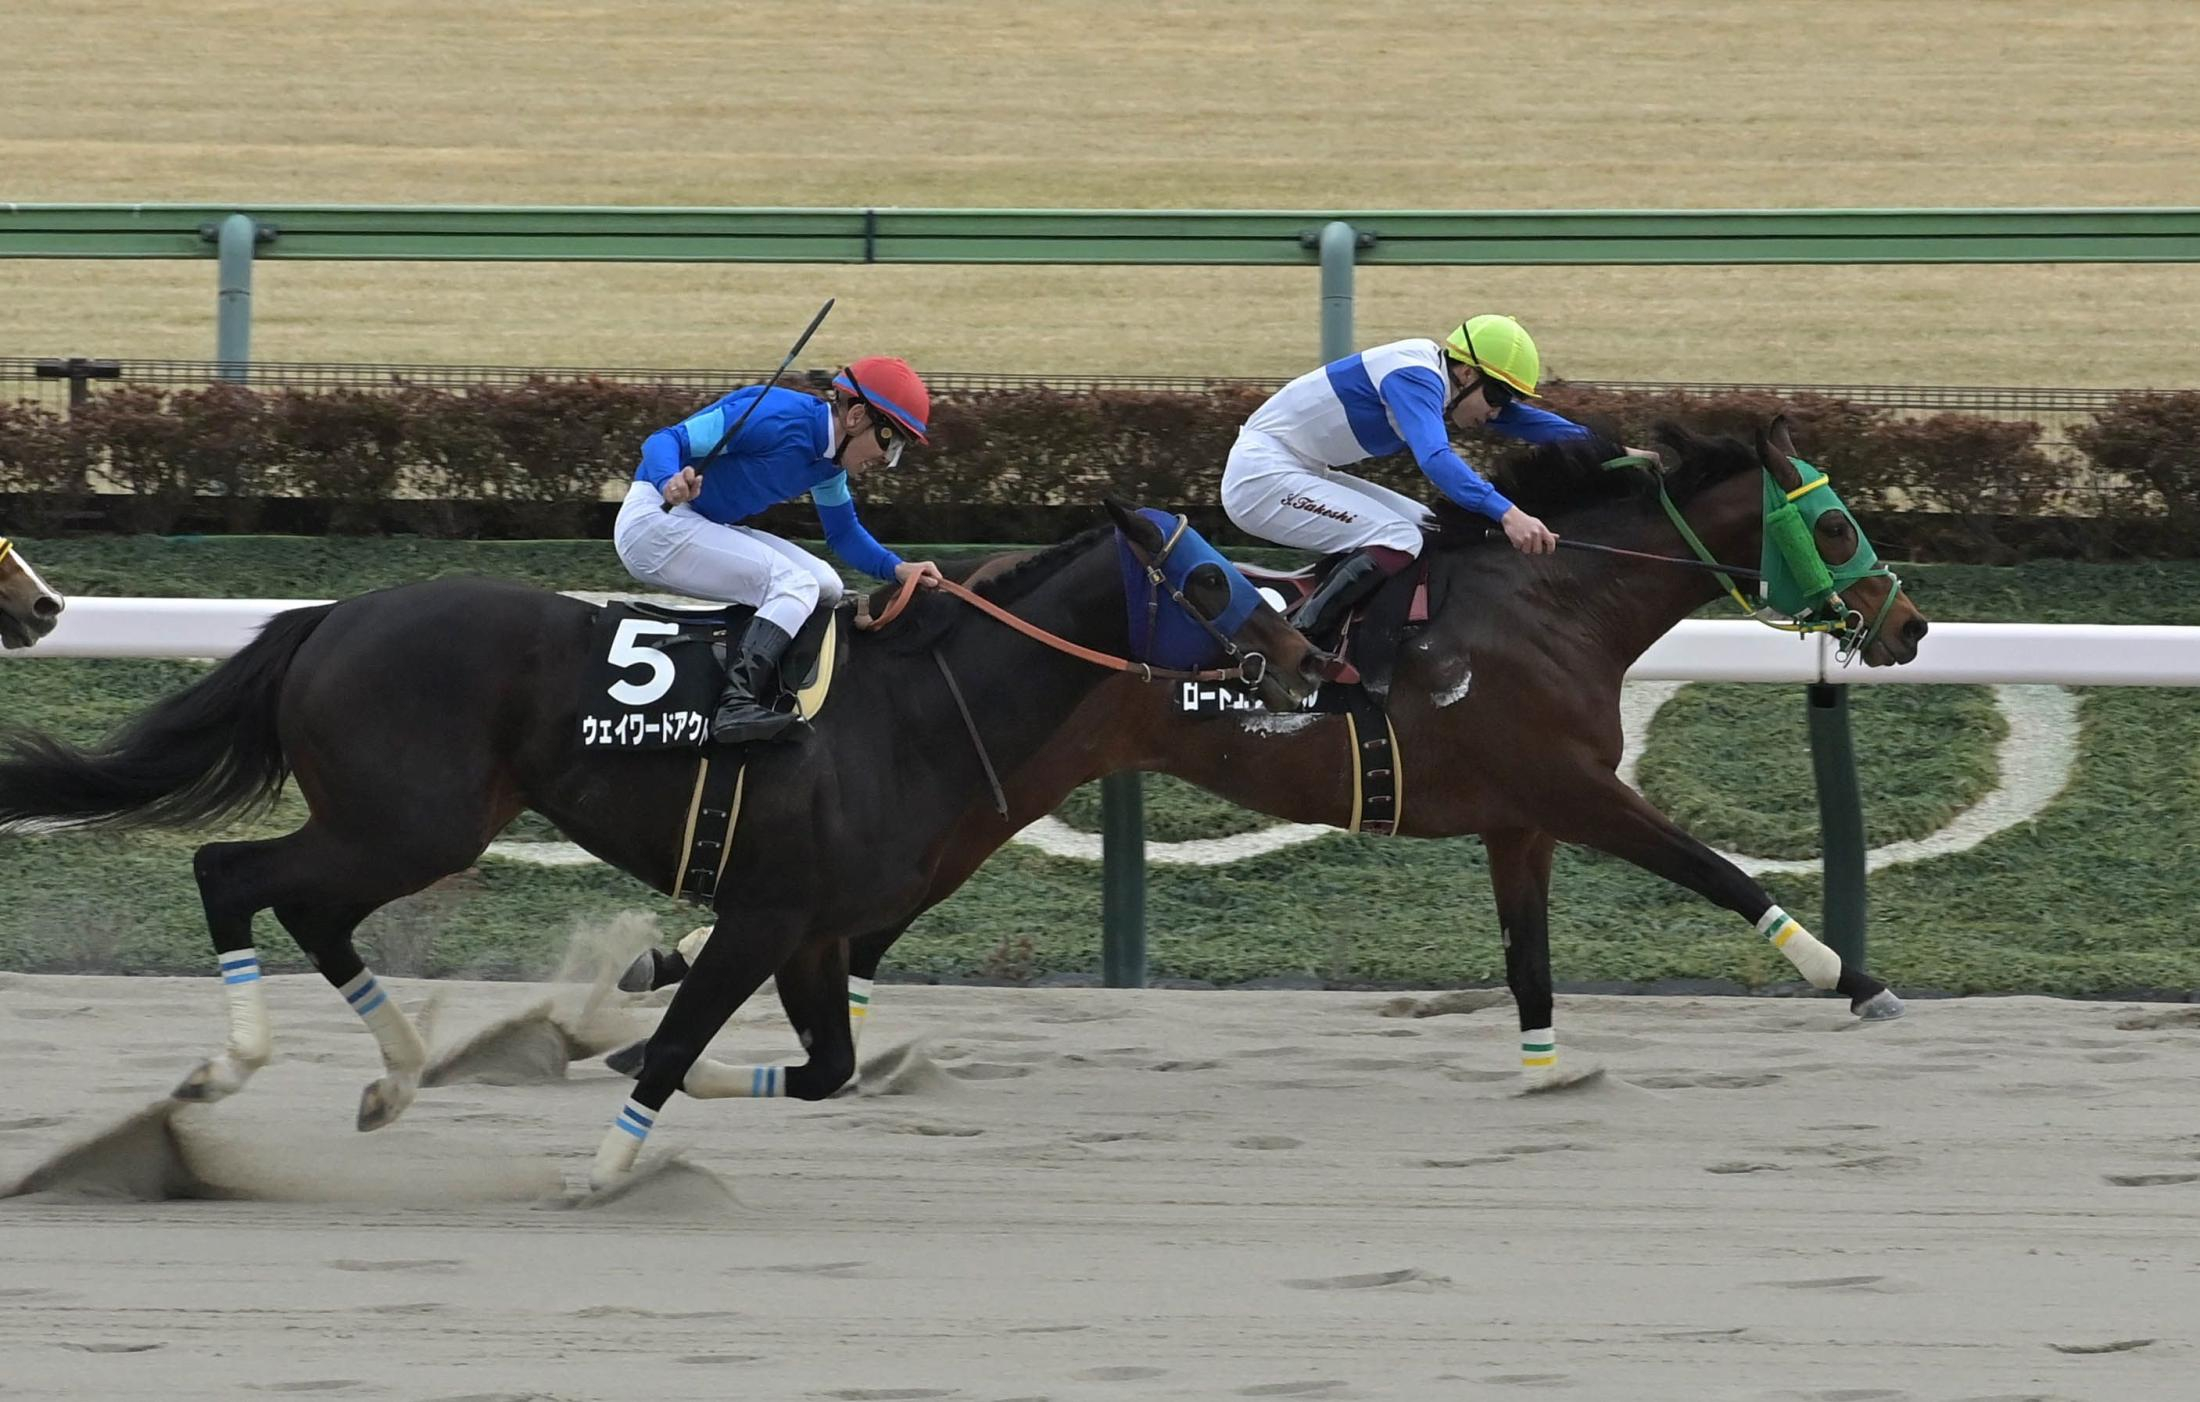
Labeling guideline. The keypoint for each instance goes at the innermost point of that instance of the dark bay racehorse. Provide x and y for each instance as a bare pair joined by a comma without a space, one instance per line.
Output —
28,608
419,721
1506,708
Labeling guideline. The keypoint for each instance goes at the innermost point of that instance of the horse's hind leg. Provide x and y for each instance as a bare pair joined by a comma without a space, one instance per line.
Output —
1615,819
324,932
320,886
229,921
731,966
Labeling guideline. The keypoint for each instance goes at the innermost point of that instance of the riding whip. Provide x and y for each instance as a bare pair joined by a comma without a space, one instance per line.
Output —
800,342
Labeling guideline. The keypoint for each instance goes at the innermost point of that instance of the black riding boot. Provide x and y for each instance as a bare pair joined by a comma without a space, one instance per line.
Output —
1327,608
751,676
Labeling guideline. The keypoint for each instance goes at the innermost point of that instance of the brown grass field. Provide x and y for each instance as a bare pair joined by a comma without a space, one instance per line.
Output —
1107,103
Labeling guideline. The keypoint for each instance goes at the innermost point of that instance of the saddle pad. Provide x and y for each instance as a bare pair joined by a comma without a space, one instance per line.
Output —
650,683
654,674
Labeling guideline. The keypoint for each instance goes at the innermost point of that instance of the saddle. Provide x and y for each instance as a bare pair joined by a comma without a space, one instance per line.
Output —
1375,627
654,672
1372,633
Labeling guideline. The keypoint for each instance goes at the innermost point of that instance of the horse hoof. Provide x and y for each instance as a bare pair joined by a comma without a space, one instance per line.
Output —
1882,1006
651,970
203,1085
641,975
382,1102
1556,1078
216,1078
627,1060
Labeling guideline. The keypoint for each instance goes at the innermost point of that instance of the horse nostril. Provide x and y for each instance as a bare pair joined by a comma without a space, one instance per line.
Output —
1913,632
46,606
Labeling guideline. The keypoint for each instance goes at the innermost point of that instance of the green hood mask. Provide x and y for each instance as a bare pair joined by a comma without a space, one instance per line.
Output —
1798,581
1801,592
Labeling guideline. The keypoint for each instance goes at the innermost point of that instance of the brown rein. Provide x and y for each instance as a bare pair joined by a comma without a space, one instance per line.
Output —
1144,671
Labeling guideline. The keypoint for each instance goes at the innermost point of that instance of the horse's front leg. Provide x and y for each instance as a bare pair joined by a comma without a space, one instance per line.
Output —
729,967
826,1005
1612,817
1520,877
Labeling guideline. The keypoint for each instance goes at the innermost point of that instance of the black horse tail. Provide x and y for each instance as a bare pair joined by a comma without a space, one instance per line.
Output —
206,752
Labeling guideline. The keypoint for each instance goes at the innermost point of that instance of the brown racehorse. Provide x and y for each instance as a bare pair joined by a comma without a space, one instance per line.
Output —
1506,708
28,608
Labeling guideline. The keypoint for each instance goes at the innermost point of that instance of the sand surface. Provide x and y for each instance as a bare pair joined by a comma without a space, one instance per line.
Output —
1081,1194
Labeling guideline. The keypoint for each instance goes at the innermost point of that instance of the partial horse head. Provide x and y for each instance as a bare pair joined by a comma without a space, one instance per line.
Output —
1191,609
28,609
1879,621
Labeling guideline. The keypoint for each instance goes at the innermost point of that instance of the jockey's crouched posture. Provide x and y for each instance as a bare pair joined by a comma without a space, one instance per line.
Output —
791,444
1283,483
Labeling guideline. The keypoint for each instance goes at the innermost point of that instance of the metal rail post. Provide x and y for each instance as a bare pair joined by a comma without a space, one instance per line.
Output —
1123,880
234,239
1339,244
1840,821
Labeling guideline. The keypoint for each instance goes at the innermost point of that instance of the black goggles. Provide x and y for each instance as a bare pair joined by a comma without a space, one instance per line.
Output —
890,434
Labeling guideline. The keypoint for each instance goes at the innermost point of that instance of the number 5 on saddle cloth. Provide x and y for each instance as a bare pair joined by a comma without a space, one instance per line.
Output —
654,673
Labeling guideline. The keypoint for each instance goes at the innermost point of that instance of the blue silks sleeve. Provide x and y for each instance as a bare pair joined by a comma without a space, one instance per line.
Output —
1415,398
1529,424
662,457
836,512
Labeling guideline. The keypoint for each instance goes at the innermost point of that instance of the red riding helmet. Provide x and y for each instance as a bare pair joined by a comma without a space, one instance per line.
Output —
888,385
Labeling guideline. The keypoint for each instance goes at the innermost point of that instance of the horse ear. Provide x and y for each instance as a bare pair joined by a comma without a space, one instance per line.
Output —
1778,433
1775,458
1143,532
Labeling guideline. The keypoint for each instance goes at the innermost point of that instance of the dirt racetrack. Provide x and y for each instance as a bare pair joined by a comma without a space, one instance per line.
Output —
1081,1194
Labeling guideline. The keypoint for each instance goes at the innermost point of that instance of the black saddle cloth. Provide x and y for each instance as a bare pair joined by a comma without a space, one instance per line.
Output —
655,672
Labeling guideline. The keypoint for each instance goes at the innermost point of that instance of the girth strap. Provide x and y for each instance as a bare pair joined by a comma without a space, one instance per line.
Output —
713,813
1378,770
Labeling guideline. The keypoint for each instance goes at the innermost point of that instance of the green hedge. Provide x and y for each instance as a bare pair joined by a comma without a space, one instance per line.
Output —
533,459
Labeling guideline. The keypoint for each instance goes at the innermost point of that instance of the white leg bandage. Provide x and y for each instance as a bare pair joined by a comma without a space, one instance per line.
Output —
1820,965
859,1006
249,1045
1538,1051
403,1053
691,944
715,1080
622,1143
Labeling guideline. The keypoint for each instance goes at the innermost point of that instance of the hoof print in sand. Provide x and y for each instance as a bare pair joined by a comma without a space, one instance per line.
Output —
1412,1278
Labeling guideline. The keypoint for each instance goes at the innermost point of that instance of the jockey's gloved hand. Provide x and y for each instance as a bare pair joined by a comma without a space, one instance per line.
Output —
1528,535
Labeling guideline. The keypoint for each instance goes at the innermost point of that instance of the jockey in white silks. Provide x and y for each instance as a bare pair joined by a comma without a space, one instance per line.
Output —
1284,481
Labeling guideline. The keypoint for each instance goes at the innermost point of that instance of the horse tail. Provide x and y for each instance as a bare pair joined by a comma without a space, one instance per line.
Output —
204,753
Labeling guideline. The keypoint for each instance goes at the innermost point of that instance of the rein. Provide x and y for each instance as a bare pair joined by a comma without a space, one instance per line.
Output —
1249,670
1569,543
1251,667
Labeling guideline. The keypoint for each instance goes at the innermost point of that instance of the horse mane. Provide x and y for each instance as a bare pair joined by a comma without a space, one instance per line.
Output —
1028,574
1568,477
929,615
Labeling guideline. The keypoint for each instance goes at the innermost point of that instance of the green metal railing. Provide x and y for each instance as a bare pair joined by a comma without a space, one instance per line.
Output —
235,237
579,234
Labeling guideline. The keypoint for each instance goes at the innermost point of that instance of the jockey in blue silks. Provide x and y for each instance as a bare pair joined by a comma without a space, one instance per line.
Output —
790,444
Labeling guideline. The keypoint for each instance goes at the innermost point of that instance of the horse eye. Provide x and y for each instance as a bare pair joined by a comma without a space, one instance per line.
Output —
1208,588
1837,538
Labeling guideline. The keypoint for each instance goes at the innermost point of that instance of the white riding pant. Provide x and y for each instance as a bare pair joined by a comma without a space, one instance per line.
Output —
685,553
1273,493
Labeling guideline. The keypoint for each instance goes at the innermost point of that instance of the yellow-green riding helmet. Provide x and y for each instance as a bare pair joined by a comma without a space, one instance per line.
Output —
1499,347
